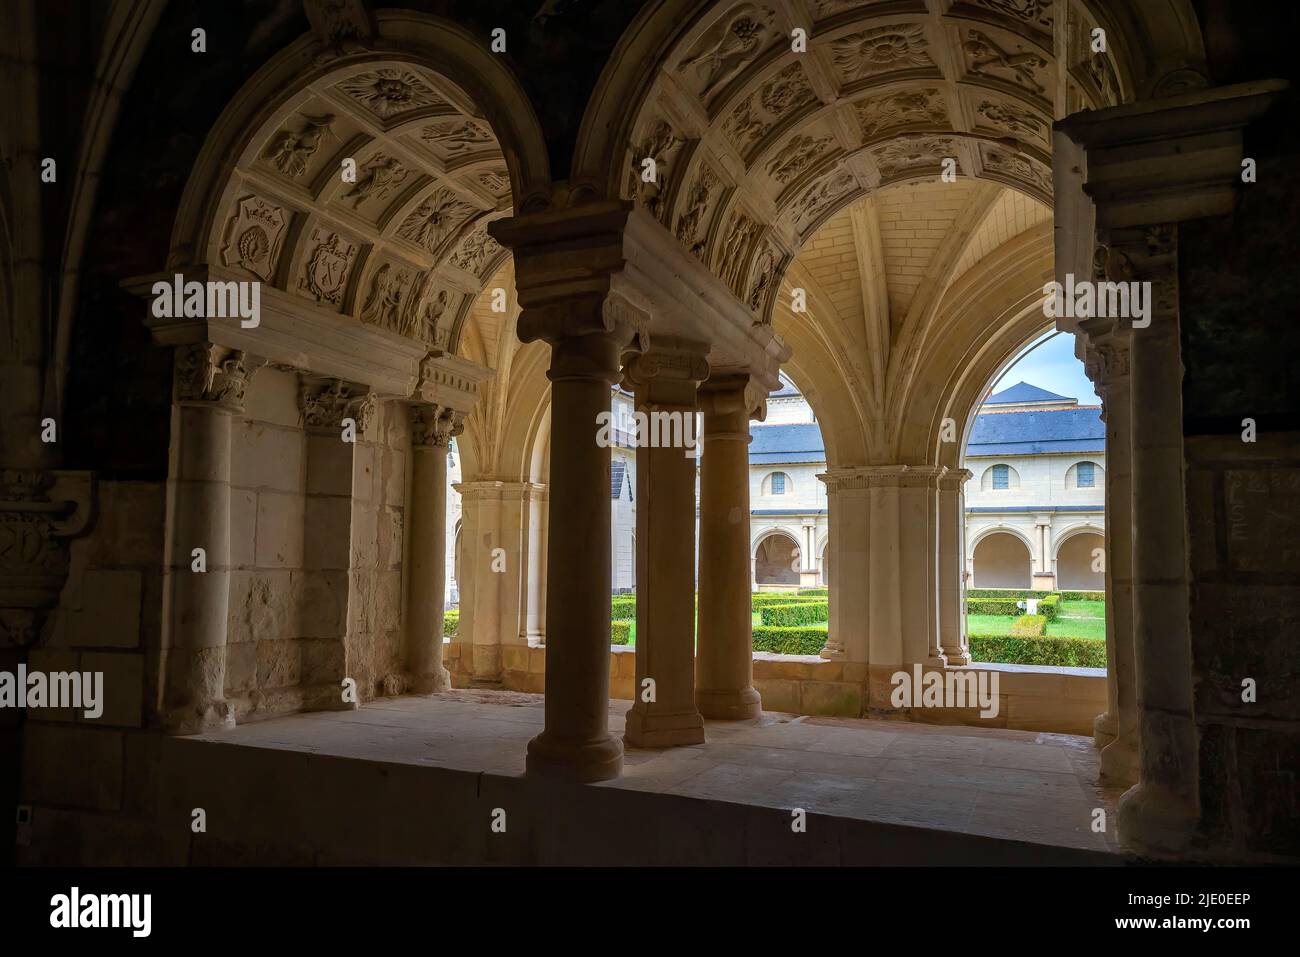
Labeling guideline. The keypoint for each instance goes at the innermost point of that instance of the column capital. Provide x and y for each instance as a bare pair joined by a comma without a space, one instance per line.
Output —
882,476
212,374
324,403
433,426
727,391
954,479
669,359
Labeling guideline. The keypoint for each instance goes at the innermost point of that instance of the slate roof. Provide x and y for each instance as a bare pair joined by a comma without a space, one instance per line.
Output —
616,470
1024,392
792,443
1034,432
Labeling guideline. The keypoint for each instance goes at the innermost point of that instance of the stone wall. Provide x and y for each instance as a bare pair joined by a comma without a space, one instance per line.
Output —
1062,700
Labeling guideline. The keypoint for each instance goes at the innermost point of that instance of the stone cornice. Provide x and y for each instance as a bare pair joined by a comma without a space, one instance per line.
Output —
451,381
1169,159
882,476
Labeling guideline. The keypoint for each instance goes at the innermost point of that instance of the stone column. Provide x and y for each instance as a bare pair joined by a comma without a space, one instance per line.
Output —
952,608
724,666
1115,731
432,428
1161,811
848,506
664,381
576,743
209,386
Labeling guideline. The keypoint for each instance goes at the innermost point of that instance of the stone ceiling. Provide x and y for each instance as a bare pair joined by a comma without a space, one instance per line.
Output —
404,247
756,145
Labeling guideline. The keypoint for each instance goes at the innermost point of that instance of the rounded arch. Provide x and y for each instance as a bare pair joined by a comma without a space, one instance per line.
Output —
430,43
1074,530
767,485
988,476
973,540
1074,555
1071,479
1001,558
776,556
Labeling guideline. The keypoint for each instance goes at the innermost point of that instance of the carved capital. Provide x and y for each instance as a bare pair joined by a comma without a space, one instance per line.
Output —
954,479
341,26
733,392
209,373
40,513
434,426
324,403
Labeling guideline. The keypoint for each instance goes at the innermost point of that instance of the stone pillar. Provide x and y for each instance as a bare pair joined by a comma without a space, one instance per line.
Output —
576,743
325,403
1115,731
952,597
848,506
724,667
918,539
1160,812
209,386
664,381
432,428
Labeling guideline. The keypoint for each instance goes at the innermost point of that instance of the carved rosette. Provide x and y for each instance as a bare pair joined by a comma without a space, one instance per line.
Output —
40,513
209,373
324,403
434,426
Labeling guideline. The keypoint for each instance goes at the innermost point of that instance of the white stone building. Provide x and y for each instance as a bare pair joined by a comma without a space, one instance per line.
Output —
1035,504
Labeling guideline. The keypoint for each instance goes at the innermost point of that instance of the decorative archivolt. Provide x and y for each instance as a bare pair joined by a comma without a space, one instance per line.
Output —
756,144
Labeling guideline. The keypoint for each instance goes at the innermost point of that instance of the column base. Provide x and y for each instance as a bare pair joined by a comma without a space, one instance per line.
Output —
487,684
1104,729
1156,822
1119,762
833,651
957,658
200,718
434,683
729,705
583,762
660,730
937,661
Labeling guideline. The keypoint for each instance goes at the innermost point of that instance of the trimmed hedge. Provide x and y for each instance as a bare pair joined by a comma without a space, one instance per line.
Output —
622,607
820,592
992,606
1015,593
1028,626
1066,652
760,598
620,632
1083,596
1050,607
450,622
802,613
801,640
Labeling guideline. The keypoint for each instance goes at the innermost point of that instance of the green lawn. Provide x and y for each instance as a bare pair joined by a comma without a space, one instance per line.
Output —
631,641
1078,619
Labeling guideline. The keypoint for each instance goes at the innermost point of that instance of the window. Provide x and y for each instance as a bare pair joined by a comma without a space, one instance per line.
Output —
1085,475
1001,476
778,483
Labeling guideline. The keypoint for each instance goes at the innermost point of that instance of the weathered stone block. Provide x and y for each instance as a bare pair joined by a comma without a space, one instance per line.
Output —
831,698
279,530
779,694
123,688
279,663
109,615
266,457
241,668
327,535
261,606
243,525
321,600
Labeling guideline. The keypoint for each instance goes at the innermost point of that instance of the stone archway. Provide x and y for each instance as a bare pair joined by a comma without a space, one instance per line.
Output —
776,560
1001,560
1077,567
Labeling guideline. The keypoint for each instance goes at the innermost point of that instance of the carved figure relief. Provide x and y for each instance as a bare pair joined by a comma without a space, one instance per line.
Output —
781,96
919,153
881,50
691,223
764,273
387,294
495,180
290,150
380,176
1037,13
434,219
325,273
661,145
435,308
474,251
908,108
999,160
1012,119
729,47
457,136
983,56
796,157
820,195
253,237
389,91
731,257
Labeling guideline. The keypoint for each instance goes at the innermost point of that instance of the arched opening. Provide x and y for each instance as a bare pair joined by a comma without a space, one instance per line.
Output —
1001,560
777,561
1081,562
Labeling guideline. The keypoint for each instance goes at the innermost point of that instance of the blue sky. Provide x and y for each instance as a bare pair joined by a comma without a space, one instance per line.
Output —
1051,365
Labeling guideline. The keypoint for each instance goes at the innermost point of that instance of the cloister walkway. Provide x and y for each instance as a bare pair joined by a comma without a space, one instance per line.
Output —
422,779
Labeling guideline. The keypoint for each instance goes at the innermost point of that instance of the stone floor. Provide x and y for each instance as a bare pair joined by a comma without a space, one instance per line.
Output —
1010,785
